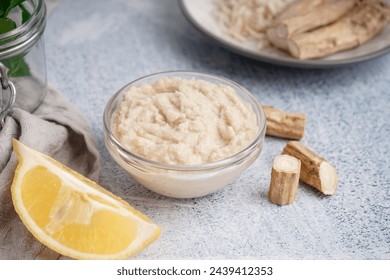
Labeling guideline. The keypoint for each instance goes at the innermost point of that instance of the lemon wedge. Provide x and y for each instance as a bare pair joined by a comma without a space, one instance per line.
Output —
73,215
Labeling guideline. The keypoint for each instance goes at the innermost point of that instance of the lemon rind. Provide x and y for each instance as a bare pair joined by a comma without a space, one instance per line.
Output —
147,231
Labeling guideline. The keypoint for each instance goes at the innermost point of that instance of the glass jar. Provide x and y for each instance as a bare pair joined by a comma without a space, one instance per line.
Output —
22,53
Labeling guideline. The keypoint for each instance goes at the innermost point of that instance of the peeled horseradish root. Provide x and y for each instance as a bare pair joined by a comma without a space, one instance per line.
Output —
310,29
73,215
298,162
284,179
315,170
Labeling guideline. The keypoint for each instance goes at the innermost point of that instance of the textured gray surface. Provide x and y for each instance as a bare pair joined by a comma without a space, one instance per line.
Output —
95,47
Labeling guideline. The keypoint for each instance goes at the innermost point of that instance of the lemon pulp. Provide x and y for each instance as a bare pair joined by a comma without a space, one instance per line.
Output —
73,215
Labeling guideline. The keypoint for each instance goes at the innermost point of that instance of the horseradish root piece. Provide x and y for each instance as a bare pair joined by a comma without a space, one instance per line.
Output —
323,41
280,43
284,124
284,179
299,7
320,13
315,171
363,22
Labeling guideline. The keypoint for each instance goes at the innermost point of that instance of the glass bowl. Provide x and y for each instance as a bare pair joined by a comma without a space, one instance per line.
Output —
184,181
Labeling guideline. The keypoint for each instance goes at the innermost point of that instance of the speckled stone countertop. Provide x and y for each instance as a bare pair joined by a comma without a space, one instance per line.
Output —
93,48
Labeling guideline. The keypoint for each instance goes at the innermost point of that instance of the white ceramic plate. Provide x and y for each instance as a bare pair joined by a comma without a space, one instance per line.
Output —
199,13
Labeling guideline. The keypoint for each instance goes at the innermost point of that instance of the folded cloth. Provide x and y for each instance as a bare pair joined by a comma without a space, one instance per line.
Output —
57,129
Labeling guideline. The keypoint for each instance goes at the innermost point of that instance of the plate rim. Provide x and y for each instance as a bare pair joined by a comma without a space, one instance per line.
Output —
282,61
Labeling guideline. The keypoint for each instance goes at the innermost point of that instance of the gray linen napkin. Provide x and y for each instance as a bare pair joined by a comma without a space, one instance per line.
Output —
57,129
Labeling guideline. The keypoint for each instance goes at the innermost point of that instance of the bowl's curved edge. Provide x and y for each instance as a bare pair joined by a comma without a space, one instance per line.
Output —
289,62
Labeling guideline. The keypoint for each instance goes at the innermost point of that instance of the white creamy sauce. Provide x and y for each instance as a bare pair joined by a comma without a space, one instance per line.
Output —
184,121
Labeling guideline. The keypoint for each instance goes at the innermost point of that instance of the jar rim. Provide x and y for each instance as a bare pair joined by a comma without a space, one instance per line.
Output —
23,36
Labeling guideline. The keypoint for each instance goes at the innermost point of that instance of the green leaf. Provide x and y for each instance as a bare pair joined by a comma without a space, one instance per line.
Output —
6,25
12,4
4,4
17,66
25,13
